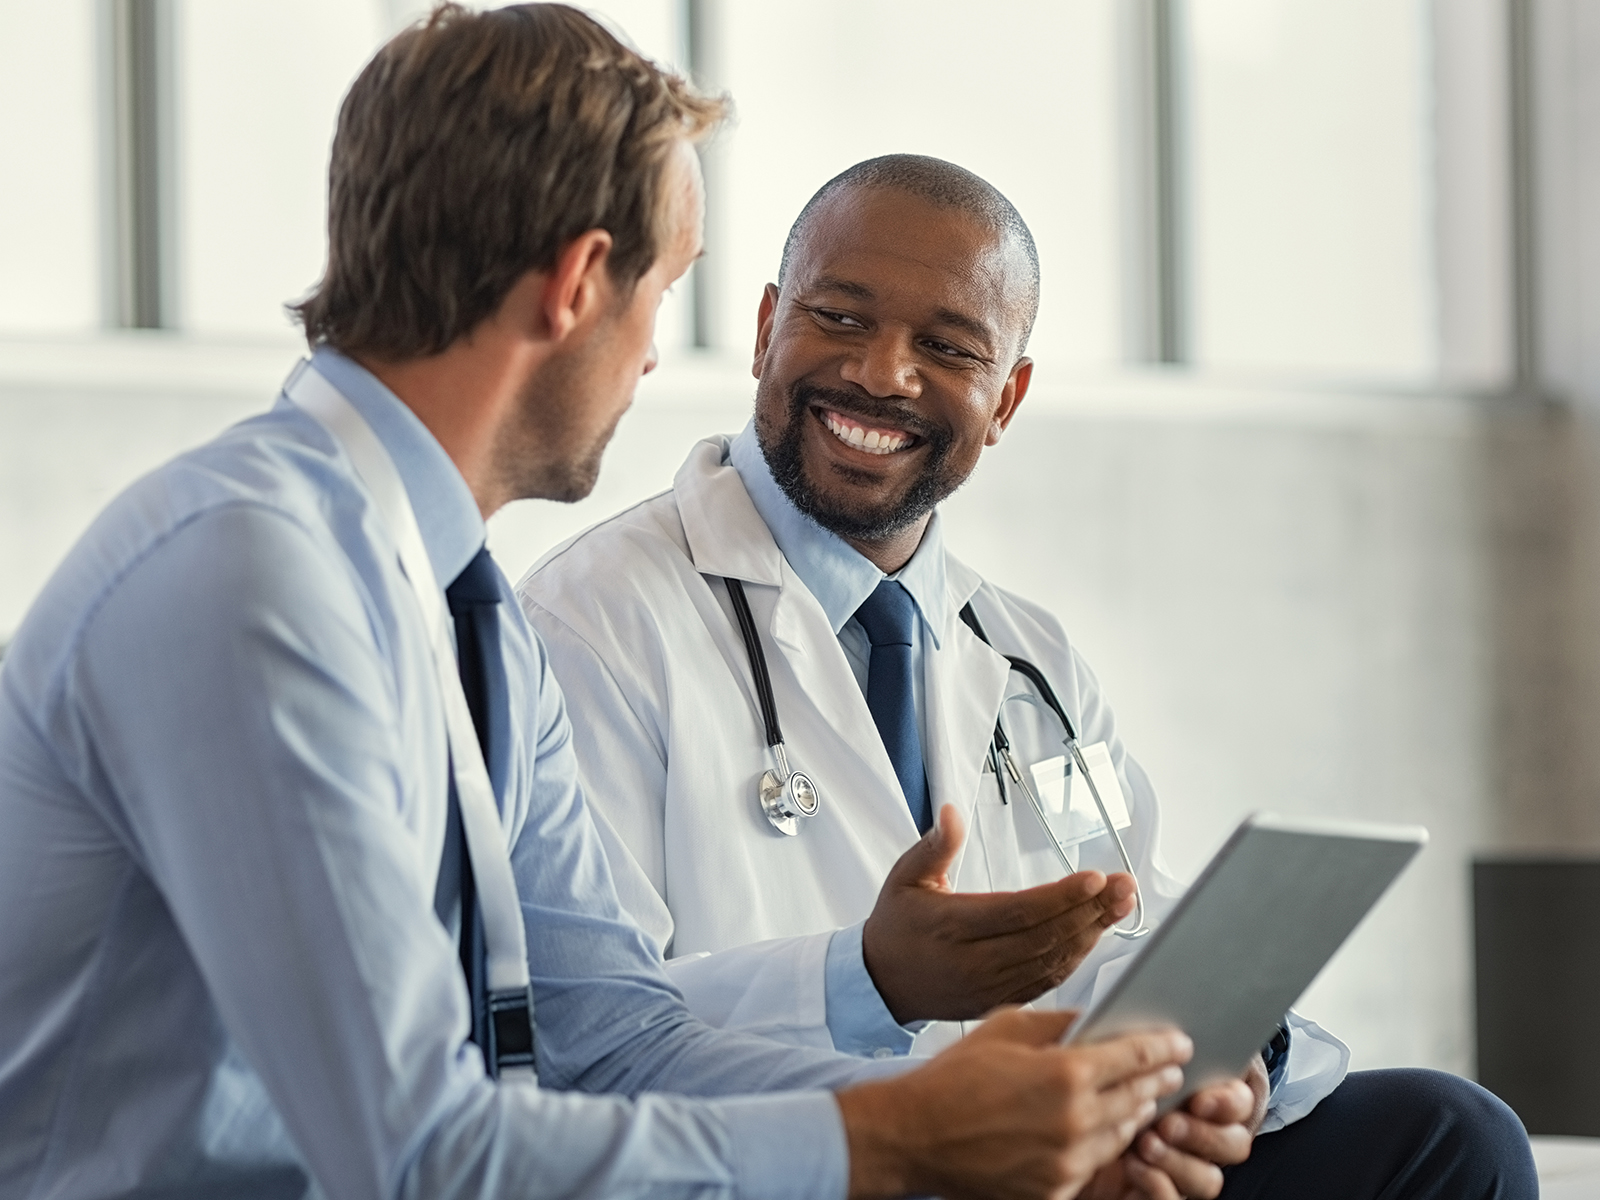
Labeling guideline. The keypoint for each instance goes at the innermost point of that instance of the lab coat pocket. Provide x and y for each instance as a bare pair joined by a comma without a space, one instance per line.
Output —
992,862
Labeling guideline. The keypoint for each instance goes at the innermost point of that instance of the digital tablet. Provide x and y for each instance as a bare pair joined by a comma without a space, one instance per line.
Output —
1247,939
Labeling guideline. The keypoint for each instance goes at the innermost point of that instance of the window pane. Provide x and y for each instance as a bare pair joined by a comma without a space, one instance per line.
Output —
1025,95
259,87
1310,156
49,218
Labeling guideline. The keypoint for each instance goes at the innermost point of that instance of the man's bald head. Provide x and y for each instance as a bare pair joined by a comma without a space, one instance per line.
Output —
944,185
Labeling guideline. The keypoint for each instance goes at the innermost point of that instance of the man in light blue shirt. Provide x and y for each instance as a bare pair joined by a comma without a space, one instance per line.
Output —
229,963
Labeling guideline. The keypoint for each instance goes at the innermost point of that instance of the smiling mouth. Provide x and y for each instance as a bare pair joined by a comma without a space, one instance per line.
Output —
864,437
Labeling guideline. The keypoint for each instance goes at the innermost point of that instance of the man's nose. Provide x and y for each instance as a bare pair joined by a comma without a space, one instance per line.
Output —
651,360
884,365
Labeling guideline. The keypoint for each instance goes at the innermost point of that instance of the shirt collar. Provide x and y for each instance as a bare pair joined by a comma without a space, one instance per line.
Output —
838,575
447,516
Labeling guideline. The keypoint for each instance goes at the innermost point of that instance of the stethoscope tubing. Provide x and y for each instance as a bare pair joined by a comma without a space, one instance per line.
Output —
1000,756
758,661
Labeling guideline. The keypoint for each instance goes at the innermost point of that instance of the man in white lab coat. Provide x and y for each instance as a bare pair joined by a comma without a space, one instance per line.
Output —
889,354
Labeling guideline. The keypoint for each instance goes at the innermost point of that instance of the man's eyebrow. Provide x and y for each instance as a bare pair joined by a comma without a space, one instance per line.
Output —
833,283
979,330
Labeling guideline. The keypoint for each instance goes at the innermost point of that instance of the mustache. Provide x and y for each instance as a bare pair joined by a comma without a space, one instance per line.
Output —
810,395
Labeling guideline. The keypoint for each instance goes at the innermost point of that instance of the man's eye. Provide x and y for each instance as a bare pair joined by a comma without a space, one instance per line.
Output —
839,318
946,350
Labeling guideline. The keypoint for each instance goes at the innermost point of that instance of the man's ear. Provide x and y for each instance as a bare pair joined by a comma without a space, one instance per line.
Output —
765,314
1010,399
579,286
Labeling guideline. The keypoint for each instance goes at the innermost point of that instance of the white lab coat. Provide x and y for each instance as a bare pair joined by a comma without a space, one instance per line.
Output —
670,743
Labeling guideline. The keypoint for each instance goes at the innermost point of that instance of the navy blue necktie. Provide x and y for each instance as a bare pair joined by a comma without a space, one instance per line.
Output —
887,617
474,599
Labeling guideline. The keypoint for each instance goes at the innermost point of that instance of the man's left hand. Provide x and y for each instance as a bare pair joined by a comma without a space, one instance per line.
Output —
1182,1155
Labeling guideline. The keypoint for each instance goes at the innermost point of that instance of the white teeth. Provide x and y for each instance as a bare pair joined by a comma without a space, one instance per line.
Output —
873,442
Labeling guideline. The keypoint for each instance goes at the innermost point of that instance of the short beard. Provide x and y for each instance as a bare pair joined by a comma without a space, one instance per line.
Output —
860,523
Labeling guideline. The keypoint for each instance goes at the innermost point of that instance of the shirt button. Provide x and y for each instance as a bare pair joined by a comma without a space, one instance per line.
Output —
883,1052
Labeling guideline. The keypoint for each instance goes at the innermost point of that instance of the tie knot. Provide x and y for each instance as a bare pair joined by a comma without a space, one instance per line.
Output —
887,614
478,583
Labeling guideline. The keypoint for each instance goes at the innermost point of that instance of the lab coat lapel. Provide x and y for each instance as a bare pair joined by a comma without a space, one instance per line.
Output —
821,702
965,682
726,534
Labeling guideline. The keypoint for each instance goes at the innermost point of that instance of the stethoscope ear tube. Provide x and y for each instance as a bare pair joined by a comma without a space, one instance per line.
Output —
785,796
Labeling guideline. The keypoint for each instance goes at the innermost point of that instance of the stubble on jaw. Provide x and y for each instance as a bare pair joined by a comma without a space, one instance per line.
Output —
783,448
531,459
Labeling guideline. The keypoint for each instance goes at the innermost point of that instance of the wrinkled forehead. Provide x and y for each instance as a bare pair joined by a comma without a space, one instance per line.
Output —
900,244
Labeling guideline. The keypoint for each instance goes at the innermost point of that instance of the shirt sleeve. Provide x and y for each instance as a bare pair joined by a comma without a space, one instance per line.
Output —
235,689
603,1001
768,988
857,1016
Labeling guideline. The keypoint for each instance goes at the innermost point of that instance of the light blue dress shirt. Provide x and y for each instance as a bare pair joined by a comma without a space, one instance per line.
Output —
222,804
841,578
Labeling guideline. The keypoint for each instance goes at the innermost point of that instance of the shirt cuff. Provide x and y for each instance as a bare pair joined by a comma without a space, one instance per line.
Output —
787,1145
858,1020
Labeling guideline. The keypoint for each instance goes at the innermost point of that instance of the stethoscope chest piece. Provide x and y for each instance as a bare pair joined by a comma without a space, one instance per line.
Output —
787,797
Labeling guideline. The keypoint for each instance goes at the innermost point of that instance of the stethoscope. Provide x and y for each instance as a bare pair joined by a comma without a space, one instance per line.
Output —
787,796
1000,756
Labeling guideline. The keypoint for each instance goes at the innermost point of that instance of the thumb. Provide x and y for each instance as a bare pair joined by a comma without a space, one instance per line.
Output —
927,862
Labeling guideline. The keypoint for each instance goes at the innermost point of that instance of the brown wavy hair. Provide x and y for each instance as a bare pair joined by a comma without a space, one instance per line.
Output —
470,150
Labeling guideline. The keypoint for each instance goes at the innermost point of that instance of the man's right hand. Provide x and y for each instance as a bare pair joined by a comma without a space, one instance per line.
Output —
939,955
1007,1112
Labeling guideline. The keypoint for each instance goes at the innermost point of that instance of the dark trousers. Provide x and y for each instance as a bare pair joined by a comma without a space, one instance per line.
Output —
1388,1135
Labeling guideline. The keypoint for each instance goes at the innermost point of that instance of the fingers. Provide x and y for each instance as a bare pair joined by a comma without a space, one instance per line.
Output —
1107,1120
1092,1151
927,863
1052,910
1222,1143
1104,1064
1221,1104
1030,961
1182,1155
1184,1175
1255,1078
1130,1104
1151,1182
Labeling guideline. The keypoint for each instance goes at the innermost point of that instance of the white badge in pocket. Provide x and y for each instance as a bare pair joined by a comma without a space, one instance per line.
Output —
1072,811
